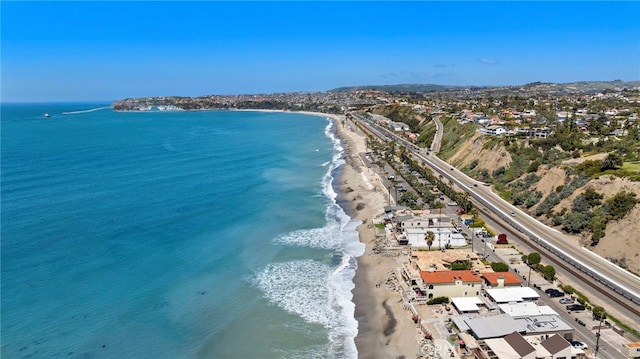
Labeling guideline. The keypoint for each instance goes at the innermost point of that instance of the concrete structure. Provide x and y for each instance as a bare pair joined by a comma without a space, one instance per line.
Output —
512,294
495,326
525,309
467,304
412,229
631,350
546,325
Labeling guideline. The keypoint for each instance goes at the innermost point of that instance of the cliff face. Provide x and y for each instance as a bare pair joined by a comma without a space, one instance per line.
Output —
620,244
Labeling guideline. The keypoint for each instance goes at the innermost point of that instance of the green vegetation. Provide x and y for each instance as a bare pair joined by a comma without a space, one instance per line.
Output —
598,310
454,135
548,272
561,193
438,300
400,113
461,265
534,258
499,267
380,225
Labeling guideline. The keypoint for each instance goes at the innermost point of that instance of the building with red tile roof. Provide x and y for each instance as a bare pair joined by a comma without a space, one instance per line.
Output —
501,279
458,283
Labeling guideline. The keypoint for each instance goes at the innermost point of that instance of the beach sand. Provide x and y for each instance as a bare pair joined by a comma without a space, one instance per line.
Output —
385,329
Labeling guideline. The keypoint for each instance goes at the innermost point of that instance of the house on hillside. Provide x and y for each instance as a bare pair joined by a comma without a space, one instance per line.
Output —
493,130
398,126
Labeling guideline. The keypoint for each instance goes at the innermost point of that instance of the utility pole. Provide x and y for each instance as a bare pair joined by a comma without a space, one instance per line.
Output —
602,315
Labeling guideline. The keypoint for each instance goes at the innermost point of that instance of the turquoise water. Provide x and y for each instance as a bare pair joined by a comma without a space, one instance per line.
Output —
210,234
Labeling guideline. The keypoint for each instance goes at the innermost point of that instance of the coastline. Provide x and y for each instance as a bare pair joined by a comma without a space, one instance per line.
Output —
385,329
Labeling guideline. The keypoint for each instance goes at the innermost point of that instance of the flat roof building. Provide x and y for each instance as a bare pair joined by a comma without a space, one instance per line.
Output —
512,294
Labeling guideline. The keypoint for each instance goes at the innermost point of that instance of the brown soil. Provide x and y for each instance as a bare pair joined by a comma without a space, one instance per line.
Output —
621,242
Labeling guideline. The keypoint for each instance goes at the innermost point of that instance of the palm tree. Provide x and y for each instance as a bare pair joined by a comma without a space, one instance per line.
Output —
429,237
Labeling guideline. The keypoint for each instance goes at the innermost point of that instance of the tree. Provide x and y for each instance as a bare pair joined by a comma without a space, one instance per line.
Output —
612,161
499,267
598,312
532,260
429,237
549,272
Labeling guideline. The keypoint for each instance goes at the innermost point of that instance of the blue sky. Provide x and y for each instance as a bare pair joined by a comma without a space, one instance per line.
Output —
84,51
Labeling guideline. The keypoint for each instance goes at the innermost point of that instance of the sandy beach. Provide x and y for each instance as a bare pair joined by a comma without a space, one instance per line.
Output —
385,329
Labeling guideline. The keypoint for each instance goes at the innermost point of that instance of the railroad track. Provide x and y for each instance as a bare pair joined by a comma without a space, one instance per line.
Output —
571,269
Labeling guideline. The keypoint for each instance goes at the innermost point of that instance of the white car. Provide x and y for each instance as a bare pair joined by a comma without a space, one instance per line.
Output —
579,345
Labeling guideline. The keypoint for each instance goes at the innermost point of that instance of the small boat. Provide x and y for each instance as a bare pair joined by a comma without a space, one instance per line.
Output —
47,115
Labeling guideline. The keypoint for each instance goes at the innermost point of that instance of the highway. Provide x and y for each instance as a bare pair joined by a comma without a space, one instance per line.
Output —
602,275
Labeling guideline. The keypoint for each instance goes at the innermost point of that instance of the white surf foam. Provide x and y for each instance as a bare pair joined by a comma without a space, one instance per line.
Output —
315,291
86,111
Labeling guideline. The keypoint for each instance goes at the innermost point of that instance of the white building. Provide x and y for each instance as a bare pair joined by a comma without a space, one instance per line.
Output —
413,230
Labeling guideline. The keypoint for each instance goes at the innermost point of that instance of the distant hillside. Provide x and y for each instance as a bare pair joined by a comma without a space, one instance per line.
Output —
401,88
570,87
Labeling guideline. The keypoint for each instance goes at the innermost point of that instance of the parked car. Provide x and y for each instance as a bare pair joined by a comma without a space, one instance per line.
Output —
567,300
579,345
549,290
556,294
575,307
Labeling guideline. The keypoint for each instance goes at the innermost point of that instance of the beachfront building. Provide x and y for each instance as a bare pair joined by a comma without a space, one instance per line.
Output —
459,283
511,346
501,279
497,326
515,346
525,309
412,228
512,295
467,304
429,274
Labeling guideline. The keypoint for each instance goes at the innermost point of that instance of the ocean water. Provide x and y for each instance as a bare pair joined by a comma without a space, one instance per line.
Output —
209,234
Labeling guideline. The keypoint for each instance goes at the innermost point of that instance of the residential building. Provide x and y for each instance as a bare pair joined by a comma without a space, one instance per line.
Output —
459,283
501,279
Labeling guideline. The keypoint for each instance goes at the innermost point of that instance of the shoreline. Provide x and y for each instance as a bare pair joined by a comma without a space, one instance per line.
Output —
385,329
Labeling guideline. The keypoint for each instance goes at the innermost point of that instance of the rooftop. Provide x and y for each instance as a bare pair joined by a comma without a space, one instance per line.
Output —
442,260
489,327
509,278
512,294
450,277
467,304
544,324
525,309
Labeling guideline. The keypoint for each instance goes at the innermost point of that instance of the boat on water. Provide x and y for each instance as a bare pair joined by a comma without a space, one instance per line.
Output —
47,115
